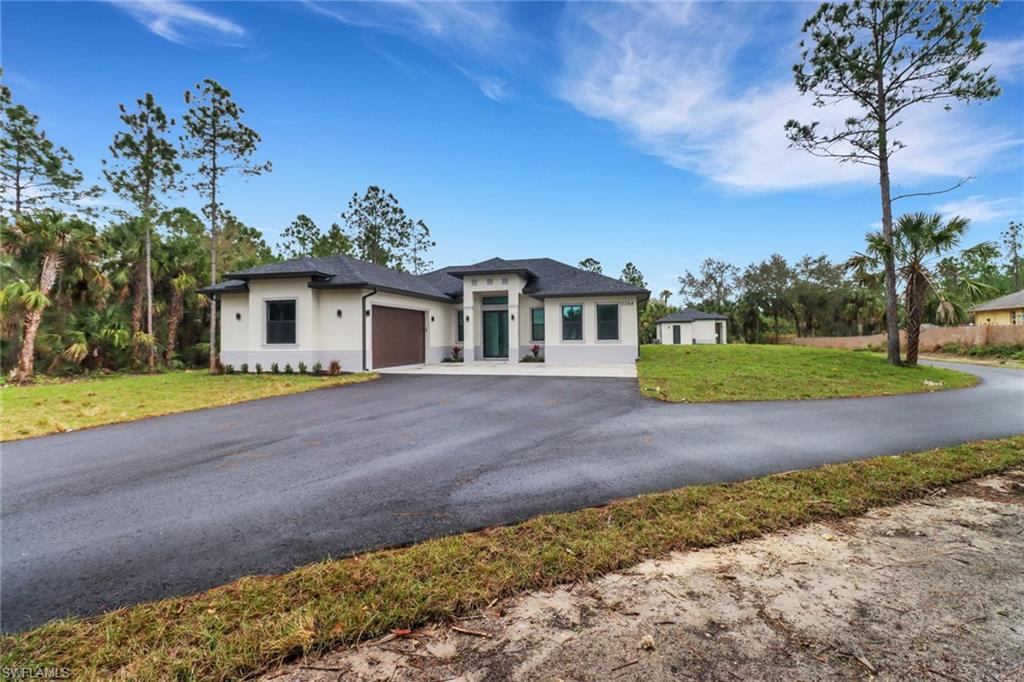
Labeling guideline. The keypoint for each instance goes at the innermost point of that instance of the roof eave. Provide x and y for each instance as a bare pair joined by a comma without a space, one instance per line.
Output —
641,295
278,275
391,290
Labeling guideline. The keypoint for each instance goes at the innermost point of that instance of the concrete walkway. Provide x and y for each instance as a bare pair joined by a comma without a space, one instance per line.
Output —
518,369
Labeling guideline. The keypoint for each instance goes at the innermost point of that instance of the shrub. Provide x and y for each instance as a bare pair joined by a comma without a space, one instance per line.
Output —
244,368
335,368
318,369
302,367
288,368
259,368
535,349
274,369
456,353
229,369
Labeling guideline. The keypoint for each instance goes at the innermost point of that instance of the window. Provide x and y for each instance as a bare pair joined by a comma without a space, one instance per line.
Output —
608,322
461,324
572,323
281,321
537,324
495,300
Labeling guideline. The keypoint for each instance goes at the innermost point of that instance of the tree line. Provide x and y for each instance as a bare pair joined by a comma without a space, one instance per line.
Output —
938,280
88,286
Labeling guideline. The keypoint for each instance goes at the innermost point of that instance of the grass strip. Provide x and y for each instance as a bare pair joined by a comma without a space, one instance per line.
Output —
711,373
252,624
83,403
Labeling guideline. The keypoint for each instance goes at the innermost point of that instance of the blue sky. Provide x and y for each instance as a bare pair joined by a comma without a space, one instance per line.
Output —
650,133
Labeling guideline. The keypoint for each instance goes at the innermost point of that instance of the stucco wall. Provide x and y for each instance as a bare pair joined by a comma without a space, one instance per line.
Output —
323,335
1000,317
590,349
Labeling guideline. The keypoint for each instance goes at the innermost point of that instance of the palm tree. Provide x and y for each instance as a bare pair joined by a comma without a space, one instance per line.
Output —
918,239
41,242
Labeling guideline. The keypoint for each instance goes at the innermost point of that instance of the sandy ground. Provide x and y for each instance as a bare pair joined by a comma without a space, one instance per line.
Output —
932,589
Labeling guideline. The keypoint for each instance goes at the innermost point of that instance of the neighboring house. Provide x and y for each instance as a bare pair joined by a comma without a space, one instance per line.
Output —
1007,309
691,326
368,316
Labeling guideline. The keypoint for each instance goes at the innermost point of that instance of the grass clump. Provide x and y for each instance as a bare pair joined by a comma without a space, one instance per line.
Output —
710,373
54,407
257,622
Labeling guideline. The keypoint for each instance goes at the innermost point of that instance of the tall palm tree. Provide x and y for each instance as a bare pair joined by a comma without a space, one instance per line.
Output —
918,240
42,242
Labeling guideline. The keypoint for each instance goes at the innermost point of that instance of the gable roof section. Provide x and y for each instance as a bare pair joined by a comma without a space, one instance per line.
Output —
345,272
491,266
546,278
1014,300
690,315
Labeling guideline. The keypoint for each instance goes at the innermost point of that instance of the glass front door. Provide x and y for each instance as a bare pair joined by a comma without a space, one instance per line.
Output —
495,333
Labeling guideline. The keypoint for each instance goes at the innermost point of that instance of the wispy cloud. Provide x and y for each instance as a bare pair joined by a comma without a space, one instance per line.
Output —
475,30
1005,59
980,210
181,22
492,87
671,77
477,26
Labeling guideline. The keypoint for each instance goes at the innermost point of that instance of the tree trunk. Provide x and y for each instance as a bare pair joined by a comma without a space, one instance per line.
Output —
213,248
173,319
892,327
149,298
138,307
915,313
26,358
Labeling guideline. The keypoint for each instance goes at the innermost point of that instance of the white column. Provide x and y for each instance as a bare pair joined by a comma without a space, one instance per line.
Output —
513,327
468,325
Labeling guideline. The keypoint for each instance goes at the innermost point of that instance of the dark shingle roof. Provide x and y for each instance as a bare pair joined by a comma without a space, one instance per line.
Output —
546,278
491,266
335,272
1014,300
228,286
690,315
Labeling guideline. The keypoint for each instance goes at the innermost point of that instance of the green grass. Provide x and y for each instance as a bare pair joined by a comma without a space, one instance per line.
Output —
752,372
55,407
257,622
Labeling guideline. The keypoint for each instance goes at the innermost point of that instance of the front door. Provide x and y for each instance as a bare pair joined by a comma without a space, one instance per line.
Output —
495,333
676,334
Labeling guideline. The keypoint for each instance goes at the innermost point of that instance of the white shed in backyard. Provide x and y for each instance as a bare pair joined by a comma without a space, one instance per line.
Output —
691,326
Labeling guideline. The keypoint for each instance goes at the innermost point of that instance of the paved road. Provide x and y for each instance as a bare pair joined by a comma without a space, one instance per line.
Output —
104,517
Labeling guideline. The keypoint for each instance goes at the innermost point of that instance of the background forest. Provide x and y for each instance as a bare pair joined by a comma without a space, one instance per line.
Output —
107,276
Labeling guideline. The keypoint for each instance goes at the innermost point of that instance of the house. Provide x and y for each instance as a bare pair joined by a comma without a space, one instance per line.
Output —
1007,309
367,316
691,326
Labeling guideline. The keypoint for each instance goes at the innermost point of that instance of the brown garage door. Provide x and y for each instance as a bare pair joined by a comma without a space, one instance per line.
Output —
397,336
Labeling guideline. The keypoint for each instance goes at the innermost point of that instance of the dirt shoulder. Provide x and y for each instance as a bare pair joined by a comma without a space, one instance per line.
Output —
985,362
931,589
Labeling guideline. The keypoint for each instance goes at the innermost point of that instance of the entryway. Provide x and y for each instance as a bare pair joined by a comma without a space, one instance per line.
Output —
495,334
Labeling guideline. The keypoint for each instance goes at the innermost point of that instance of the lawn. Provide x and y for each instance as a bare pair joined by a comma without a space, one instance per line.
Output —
252,624
55,407
753,372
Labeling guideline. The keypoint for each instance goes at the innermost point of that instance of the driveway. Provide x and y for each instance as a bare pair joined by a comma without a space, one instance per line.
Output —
110,516
622,370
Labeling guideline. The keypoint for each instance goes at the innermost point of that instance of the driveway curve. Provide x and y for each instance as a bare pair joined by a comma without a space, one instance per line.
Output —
100,518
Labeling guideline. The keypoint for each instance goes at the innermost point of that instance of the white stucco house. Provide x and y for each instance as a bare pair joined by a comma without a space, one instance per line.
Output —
690,326
367,316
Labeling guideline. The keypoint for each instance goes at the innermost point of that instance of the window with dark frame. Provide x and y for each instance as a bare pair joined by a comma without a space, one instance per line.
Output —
536,324
572,323
281,321
462,326
608,322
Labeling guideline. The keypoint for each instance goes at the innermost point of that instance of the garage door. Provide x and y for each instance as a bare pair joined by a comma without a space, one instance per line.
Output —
397,336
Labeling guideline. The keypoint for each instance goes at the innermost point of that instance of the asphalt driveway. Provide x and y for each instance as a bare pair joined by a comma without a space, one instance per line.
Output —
100,518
